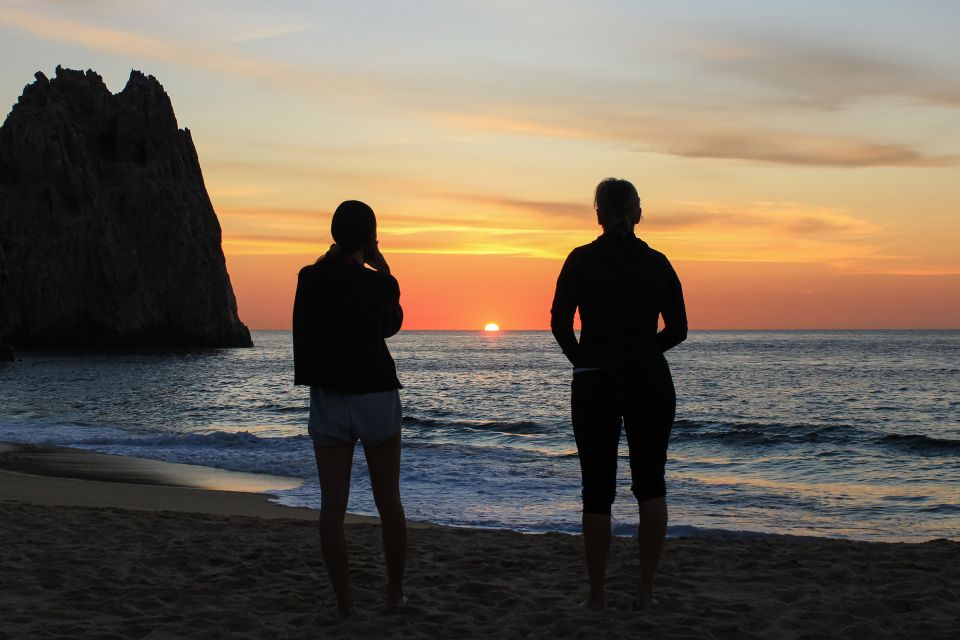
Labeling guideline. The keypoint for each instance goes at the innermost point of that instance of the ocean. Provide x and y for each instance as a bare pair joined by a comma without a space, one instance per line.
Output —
847,434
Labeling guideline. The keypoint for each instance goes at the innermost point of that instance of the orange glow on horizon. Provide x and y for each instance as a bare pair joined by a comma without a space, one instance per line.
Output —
491,327
451,291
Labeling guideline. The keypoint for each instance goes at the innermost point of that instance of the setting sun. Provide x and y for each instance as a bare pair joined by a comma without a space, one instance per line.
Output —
492,326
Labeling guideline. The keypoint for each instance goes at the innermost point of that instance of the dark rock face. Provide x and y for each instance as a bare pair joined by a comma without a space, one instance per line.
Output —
107,235
6,352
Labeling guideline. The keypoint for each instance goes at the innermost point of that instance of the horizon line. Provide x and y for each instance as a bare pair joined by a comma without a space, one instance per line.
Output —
747,330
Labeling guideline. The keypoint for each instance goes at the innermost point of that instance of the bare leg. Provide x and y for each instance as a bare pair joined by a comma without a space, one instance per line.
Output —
651,530
333,468
383,461
596,544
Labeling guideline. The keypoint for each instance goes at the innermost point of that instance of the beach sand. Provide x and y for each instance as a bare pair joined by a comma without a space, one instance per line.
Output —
92,558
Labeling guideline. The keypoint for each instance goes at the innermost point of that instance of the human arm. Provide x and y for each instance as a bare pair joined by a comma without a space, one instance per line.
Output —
674,314
300,329
393,315
563,309
375,259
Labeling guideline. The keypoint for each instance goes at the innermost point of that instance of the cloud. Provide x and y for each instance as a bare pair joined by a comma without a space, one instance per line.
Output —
512,125
688,135
484,224
642,118
73,4
783,147
765,232
451,241
137,45
253,33
794,218
574,210
824,76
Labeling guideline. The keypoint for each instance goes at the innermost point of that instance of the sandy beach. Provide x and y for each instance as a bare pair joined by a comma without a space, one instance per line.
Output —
105,559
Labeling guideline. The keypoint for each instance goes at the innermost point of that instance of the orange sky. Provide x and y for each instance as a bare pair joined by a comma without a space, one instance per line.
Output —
466,292
797,174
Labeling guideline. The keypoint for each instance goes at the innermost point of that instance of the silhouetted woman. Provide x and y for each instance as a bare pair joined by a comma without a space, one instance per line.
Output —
342,314
620,378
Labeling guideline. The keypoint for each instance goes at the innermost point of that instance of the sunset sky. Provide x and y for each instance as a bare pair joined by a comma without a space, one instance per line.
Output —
798,162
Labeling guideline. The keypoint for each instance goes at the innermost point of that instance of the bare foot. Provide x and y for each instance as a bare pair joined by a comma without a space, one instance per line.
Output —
395,598
594,602
645,598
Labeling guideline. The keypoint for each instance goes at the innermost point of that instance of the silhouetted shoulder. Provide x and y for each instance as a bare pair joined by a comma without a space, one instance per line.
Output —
307,270
580,254
583,250
661,261
325,268
656,256
618,249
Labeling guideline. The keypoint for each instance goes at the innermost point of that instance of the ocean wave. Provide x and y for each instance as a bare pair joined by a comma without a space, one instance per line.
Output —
690,531
217,439
455,452
767,434
942,509
921,444
284,408
777,434
522,427
235,451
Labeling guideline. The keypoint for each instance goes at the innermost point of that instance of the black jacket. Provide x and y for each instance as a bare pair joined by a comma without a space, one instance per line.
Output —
621,287
342,314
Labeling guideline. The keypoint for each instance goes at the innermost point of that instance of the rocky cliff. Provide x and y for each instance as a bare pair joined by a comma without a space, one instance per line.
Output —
107,235
6,352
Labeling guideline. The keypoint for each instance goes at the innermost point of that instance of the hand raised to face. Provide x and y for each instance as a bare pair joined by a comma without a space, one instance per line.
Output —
375,259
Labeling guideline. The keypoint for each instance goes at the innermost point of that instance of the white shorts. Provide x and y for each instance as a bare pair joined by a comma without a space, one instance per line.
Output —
341,417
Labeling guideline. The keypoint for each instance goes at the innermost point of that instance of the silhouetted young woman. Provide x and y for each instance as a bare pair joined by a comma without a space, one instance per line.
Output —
342,314
620,378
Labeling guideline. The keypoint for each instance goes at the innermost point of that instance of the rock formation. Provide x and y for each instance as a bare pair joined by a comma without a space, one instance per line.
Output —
107,235
6,352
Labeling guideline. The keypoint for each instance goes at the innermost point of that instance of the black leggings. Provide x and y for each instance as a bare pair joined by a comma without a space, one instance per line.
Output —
644,404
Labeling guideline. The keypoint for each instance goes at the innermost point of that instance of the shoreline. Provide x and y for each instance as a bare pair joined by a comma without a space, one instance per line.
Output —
87,464
89,557
43,473
68,477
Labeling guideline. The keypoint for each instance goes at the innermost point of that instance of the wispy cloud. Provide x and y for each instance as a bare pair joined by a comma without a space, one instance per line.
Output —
766,232
686,134
824,76
575,210
790,217
734,129
785,147
463,230
512,125
136,45
262,32
482,224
